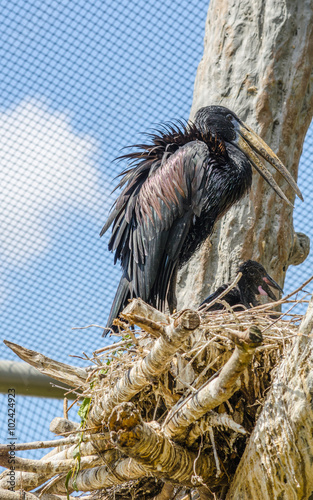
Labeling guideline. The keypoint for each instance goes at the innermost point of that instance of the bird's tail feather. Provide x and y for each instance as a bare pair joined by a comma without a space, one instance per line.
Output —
120,301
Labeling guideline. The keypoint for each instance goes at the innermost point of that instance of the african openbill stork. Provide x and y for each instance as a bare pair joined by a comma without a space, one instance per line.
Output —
174,191
254,281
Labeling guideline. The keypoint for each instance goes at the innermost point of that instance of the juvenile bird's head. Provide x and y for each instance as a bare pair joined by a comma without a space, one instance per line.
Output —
255,280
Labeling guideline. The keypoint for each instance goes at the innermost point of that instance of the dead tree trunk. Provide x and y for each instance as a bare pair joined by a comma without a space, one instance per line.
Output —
278,460
257,61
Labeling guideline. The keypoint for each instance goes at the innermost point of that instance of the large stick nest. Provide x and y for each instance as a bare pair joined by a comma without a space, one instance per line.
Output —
200,358
221,434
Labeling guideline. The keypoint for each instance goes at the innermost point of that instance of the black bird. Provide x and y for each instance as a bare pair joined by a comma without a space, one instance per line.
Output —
174,191
254,281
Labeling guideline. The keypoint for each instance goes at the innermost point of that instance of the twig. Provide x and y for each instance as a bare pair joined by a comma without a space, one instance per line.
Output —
217,462
155,363
36,445
112,347
205,307
88,326
65,408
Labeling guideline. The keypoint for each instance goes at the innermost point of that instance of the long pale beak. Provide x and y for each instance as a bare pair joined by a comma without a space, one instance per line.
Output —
249,142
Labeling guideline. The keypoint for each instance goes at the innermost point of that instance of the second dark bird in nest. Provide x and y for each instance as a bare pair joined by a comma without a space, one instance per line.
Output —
254,281
175,190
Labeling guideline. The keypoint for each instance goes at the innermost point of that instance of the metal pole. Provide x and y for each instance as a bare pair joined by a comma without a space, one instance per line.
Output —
27,381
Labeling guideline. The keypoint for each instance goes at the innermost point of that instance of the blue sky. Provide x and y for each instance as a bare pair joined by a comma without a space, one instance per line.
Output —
106,72
79,81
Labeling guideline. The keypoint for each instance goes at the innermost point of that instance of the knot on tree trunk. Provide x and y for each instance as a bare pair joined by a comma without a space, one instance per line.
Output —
300,249
249,339
187,319
122,425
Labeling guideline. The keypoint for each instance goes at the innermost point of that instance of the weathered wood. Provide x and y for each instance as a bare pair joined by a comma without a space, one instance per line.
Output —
17,495
12,495
35,445
141,308
49,468
158,454
155,363
63,426
212,419
23,480
31,480
102,477
215,392
257,60
278,460
67,374
166,493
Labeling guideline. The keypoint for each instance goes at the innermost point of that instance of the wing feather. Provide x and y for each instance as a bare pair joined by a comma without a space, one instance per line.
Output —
152,217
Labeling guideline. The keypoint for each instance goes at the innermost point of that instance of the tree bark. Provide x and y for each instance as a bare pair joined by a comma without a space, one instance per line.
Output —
215,392
154,451
278,460
257,61
155,363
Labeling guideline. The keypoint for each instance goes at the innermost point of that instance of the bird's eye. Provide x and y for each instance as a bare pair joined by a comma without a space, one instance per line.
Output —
229,117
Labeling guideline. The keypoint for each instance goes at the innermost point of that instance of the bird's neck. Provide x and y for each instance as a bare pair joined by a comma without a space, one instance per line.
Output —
228,184
247,294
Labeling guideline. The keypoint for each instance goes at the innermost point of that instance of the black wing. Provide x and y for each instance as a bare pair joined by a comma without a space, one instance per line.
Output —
233,298
151,219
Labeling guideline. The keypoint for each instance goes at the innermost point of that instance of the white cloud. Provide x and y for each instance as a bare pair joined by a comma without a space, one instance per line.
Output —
45,165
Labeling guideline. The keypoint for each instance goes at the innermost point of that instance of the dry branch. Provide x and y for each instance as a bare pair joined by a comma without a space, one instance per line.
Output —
30,480
279,455
156,362
208,352
146,317
12,495
18,495
166,493
25,480
145,311
215,392
35,445
63,426
212,419
66,374
156,453
49,468
102,477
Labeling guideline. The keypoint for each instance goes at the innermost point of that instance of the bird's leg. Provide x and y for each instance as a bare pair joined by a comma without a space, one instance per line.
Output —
171,294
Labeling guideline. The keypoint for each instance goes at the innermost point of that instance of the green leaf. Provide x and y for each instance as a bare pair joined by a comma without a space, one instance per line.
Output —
68,476
84,409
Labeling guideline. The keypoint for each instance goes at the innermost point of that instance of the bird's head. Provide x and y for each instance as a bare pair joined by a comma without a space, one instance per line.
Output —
255,278
227,126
